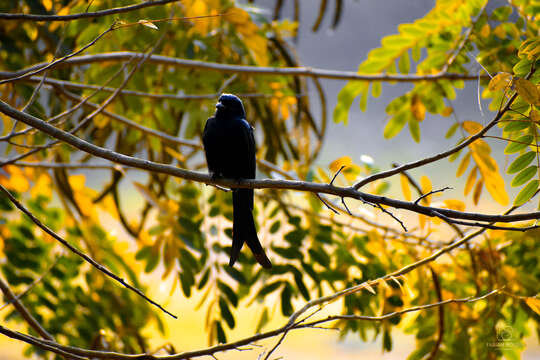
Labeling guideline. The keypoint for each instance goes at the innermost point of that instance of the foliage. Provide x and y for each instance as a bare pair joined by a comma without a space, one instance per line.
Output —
183,229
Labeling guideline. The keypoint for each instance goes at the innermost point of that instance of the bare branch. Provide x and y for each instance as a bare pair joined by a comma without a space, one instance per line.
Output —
95,14
34,324
428,160
62,349
73,85
42,67
431,193
247,69
267,183
87,258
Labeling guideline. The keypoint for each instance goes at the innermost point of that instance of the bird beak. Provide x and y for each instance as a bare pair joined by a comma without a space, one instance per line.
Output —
220,106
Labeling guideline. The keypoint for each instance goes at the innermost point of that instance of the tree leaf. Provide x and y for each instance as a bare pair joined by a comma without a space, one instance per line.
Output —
518,144
526,193
463,165
405,188
524,175
534,304
499,81
148,23
521,162
226,313
528,91
472,127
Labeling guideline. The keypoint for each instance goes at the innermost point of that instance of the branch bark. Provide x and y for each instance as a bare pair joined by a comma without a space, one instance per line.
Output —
246,69
349,192
85,15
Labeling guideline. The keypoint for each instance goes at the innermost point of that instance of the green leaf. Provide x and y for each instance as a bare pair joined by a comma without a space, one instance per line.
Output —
516,125
526,193
518,144
204,279
414,129
235,274
521,162
451,131
269,288
522,68
524,176
286,305
404,64
226,313
345,99
275,226
395,124
376,89
298,278
220,333
231,295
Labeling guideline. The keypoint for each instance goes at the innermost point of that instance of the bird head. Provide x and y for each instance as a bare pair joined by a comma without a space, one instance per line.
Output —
230,104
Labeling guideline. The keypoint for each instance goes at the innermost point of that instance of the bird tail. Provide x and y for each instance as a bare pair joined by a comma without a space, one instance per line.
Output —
244,228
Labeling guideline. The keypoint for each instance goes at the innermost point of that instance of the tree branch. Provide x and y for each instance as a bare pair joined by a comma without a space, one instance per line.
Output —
87,258
246,69
350,192
95,14
62,349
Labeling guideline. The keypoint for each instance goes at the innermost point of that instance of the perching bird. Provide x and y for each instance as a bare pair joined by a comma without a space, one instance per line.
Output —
229,146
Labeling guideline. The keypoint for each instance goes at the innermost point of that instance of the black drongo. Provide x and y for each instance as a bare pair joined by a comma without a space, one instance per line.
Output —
229,145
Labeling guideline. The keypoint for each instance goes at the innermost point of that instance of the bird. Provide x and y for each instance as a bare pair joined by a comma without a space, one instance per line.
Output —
229,146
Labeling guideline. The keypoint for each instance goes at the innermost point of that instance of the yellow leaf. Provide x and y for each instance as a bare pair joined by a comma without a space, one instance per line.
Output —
455,204
42,186
370,289
484,32
477,191
447,111
422,219
528,91
470,180
418,108
77,182
31,30
148,23
425,185
489,170
101,121
500,32
47,4
499,81
472,127
535,116
175,154
405,187
463,165
16,181
534,304
338,163
322,175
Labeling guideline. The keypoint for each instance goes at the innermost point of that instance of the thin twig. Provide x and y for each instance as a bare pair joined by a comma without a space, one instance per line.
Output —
95,14
431,193
54,63
248,69
327,205
252,183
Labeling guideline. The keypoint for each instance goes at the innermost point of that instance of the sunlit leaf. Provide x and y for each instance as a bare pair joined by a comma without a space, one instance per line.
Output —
521,162
526,193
